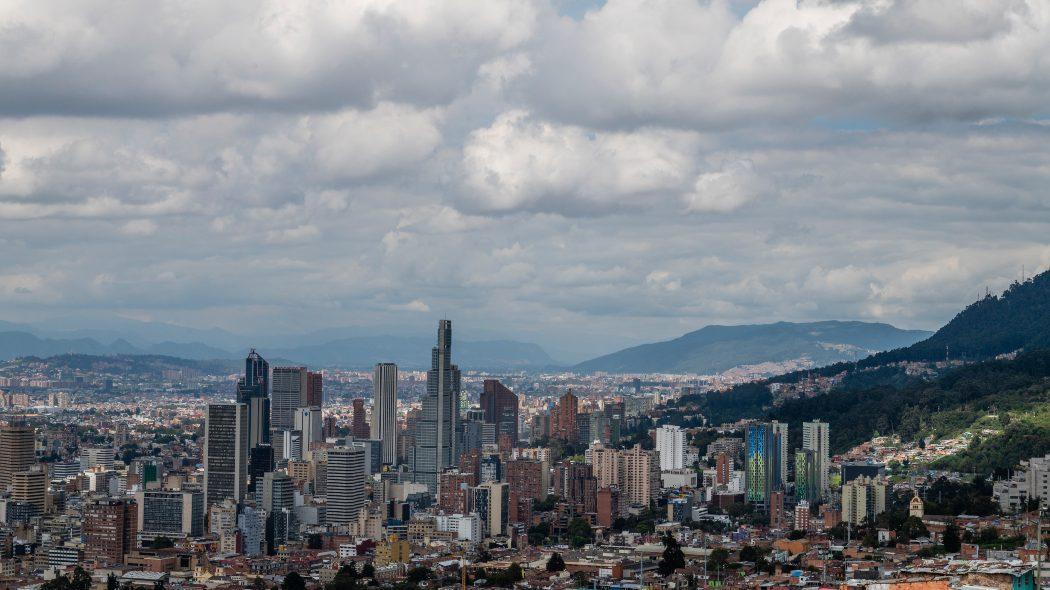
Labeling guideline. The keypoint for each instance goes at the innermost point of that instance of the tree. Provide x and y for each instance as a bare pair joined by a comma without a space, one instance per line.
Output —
750,553
950,538
111,582
555,563
673,557
580,532
293,581
538,533
417,575
368,570
717,560
258,583
796,534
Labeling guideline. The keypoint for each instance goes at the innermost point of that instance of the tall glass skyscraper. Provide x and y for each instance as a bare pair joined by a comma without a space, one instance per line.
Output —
436,430
762,462
253,390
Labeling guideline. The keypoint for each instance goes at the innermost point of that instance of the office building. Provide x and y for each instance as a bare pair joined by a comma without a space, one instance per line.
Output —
500,407
308,422
30,486
807,477
359,423
491,502
260,460
175,514
762,463
288,386
278,503
816,437
252,525
314,389
346,484
384,410
253,390
723,469
608,506
17,451
292,445
852,470
225,453
781,431
438,424
109,527
670,442
454,493
576,484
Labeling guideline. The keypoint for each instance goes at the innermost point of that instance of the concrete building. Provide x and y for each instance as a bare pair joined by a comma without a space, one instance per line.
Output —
670,443
17,451
225,453
346,484
863,497
384,410
816,437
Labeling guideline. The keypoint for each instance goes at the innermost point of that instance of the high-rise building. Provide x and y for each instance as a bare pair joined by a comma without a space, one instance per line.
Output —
641,476
260,461
777,516
762,463
278,502
815,437
436,429
288,386
491,502
528,478
563,418
723,469
226,453
308,421
292,445
30,486
802,516
346,484
807,477
863,498
253,390
781,430
17,451
175,514
384,410
314,389
575,482
359,424
454,496
670,442
252,525
500,406
109,527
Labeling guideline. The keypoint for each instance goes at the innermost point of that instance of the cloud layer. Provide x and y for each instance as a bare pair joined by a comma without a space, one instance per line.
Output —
585,179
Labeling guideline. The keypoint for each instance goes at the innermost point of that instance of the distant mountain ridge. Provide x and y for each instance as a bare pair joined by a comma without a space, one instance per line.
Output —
713,349
359,352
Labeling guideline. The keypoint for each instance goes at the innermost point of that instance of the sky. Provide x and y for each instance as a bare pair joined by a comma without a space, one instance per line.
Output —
583,175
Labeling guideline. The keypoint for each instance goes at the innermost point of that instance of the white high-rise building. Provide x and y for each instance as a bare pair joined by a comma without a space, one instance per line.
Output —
308,421
815,438
346,484
384,410
670,442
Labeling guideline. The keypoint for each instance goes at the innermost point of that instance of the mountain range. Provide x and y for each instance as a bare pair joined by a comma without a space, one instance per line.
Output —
717,348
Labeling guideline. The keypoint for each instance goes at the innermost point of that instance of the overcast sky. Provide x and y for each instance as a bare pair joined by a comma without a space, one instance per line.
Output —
581,175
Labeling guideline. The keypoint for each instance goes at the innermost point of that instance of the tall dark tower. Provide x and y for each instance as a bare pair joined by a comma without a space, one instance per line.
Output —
253,390
439,421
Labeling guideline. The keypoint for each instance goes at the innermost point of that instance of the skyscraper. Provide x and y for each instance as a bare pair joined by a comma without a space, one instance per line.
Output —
807,477
500,406
17,451
308,421
109,529
384,410
346,484
170,513
359,424
781,430
762,463
314,389
815,437
289,389
225,453
278,502
436,430
670,442
563,419
253,390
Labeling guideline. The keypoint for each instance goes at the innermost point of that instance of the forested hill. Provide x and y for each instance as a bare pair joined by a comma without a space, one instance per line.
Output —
1019,318
994,325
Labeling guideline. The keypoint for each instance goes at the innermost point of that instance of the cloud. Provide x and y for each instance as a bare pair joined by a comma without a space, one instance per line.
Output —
729,188
139,227
519,163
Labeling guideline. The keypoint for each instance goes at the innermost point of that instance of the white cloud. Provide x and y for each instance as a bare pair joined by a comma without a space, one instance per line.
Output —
139,227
